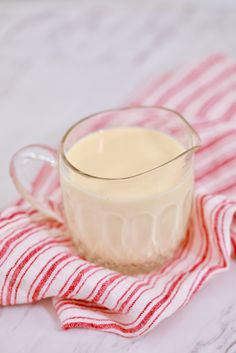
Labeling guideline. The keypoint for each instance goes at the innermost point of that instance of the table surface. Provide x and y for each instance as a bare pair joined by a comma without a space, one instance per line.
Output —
62,60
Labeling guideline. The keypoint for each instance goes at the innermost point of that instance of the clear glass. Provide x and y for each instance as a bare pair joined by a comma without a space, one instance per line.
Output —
129,234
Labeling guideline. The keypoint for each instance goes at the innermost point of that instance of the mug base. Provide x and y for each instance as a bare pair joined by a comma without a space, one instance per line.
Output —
127,268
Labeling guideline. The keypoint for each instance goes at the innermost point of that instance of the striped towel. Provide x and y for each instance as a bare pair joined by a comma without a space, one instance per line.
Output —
36,255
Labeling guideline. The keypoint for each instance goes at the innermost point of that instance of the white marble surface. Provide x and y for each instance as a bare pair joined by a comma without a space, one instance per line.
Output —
62,60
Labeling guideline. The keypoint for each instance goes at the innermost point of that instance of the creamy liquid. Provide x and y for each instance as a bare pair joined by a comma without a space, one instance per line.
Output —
128,223
125,152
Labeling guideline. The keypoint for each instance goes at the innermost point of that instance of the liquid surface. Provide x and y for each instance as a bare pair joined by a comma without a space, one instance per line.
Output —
123,152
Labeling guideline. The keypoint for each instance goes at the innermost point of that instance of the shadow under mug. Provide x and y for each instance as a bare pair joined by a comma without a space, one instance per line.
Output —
129,234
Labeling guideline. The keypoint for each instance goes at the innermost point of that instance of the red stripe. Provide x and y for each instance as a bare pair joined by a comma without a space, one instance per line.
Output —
50,247
84,305
152,88
210,270
189,78
21,238
213,100
215,168
7,275
77,280
193,286
230,112
14,215
15,228
71,260
48,273
122,279
19,202
92,308
96,319
104,286
85,280
77,303
41,177
233,241
50,204
13,240
13,279
55,184
103,121
8,236
216,139
69,278
205,87
226,188
20,267
51,259
97,284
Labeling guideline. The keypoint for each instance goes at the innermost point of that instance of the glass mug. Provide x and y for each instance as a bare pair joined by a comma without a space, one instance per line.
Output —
129,234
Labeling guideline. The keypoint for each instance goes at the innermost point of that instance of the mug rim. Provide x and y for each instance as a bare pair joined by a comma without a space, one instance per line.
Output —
144,107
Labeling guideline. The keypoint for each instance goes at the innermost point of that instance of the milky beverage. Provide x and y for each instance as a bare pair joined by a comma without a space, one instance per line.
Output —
130,213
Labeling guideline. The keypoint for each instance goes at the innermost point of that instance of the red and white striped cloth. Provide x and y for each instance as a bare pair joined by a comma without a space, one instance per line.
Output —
37,259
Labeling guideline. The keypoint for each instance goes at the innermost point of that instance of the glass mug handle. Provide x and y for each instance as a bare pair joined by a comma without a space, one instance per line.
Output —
18,165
